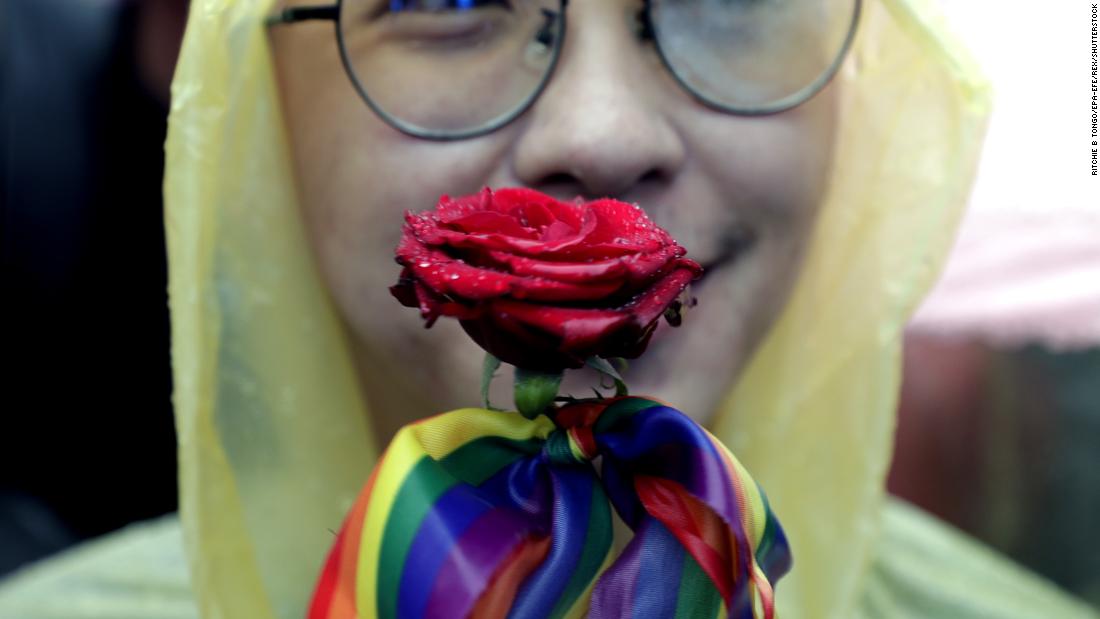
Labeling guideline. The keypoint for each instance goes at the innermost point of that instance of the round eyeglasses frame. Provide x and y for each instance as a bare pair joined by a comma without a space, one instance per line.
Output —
647,31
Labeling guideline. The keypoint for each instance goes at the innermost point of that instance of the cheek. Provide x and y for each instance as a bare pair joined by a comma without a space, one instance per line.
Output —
354,209
773,172
323,116
356,176
774,169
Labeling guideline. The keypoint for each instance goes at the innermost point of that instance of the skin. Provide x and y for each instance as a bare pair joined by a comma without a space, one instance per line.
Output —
612,122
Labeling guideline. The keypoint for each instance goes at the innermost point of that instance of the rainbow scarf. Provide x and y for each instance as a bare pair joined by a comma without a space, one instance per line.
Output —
480,513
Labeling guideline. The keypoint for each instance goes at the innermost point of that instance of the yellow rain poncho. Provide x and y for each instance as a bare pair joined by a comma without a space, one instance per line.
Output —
275,440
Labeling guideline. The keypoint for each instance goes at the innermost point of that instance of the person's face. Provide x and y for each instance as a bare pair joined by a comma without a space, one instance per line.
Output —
740,193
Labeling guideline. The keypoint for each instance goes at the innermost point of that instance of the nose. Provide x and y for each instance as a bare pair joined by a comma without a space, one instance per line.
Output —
601,127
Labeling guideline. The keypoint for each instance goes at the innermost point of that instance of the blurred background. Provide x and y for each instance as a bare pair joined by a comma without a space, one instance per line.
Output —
86,437
999,418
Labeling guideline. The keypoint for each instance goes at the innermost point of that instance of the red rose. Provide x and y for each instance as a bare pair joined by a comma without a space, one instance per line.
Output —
540,283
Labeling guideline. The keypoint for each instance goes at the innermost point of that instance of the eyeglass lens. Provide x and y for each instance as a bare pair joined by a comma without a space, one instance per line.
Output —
752,55
448,67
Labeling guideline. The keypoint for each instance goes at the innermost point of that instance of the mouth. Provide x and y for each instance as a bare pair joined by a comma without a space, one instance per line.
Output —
733,244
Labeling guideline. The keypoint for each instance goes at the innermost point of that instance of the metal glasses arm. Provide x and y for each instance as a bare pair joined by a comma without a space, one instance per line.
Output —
294,14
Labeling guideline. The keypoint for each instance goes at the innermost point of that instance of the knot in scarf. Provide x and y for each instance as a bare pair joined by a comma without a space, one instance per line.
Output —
573,440
479,513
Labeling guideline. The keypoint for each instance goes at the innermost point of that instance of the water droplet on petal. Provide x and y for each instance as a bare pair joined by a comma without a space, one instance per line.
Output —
454,276
424,265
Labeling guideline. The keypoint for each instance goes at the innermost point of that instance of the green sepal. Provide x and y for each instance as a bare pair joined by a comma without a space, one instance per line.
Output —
603,366
535,391
488,371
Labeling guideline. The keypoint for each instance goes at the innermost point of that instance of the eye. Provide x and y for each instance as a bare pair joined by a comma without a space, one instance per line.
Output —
448,19
752,54
359,13
442,6
447,23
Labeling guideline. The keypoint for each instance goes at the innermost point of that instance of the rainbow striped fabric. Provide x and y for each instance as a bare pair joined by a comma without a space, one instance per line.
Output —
480,513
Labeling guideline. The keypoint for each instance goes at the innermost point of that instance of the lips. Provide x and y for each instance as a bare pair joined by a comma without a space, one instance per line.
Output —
711,250
734,243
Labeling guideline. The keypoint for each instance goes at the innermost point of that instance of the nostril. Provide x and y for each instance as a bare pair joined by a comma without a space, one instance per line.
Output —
652,176
561,178
561,185
565,186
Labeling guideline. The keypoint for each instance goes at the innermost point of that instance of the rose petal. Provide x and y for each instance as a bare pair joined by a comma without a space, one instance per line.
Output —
428,302
571,213
629,343
619,223
644,266
448,209
648,306
536,217
596,271
520,345
557,231
507,199
430,234
491,222
404,290
454,278
635,269
578,328
412,293
499,262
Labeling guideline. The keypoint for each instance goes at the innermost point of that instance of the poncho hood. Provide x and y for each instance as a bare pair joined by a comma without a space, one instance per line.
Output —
274,435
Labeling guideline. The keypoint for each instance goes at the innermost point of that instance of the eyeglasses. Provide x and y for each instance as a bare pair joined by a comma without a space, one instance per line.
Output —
454,69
